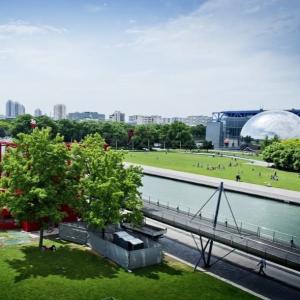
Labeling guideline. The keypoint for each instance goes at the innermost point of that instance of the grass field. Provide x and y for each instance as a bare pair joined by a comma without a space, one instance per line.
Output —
216,167
73,272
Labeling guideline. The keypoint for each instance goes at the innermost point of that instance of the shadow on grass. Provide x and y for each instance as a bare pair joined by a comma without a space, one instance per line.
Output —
66,262
155,272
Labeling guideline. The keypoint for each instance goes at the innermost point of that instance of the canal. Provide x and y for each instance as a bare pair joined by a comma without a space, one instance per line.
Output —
250,211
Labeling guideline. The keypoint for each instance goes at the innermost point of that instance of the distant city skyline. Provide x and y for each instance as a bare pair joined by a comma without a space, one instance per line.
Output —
167,57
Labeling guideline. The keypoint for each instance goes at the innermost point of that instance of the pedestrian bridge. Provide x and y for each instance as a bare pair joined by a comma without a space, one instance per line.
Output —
244,239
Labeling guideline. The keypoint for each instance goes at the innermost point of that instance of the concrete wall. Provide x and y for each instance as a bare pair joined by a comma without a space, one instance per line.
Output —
214,134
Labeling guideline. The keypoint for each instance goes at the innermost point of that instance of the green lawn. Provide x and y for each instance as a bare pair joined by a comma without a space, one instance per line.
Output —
73,272
202,164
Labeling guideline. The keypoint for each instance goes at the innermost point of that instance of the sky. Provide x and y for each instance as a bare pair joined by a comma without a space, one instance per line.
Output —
162,57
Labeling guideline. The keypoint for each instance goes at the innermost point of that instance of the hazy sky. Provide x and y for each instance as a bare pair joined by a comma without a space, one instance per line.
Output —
167,57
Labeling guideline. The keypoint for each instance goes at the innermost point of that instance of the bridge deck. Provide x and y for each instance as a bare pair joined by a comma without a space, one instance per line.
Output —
281,253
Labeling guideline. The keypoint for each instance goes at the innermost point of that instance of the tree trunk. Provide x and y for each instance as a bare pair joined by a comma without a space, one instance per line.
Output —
41,237
103,233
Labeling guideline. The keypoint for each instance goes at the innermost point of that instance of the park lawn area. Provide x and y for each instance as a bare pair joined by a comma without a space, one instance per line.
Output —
74,272
202,164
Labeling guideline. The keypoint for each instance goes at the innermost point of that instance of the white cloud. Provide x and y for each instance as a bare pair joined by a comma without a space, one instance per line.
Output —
24,28
225,55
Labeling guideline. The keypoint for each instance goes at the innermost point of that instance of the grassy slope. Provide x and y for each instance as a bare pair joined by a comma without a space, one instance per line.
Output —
189,163
72,272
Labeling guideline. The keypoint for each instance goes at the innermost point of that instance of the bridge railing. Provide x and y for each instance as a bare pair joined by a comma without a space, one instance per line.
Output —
246,243
244,227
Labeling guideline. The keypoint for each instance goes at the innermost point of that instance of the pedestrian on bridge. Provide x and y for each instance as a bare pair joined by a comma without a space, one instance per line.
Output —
262,265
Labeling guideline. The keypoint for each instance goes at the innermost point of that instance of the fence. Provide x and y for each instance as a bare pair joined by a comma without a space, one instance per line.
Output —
78,233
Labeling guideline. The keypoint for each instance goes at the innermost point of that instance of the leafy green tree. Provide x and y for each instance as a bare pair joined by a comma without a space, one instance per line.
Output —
68,129
38,179
45,122
198,132
145,136
180,136
5,128
21,125
284,154
207,145
109,191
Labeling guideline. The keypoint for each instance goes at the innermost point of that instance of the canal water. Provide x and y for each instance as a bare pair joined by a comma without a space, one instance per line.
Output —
250,211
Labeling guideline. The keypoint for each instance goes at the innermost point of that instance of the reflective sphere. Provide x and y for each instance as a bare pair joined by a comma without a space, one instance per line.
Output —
284,124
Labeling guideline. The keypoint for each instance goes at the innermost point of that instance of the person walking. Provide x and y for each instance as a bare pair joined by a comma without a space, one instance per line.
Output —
262,265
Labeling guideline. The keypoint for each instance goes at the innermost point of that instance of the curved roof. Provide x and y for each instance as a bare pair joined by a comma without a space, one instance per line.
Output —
284,124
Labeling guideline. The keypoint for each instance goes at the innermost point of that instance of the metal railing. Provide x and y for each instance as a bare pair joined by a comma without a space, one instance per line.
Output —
245,243
244,227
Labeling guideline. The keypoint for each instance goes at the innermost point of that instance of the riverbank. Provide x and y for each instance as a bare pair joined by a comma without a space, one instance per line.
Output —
218,167
272,193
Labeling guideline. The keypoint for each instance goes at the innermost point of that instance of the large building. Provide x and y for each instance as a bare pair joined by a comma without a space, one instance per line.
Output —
87,115
59,112
14,109
117,116
190,120
38,112
197,120
224,131
141,120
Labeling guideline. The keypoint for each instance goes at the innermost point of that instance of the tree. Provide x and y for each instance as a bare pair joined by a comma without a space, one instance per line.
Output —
207,145
247,139
180,136
68,130
198,132
45,122
38,179
284,154
109,191
5,128
21,125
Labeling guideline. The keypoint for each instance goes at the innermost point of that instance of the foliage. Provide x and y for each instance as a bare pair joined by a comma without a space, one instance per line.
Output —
267,142
198,132
5,128
107,187
38,179
207,145
284,154
116,134
21,125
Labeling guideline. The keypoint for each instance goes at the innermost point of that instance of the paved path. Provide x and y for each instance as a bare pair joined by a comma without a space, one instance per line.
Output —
239,268
230,185
255,162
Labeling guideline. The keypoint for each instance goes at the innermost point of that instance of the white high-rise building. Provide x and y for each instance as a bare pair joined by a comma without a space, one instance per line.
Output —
59,112
117,116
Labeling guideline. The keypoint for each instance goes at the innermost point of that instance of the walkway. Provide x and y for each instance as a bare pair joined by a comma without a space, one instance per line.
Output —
237,267
254,161
229,185
248,242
